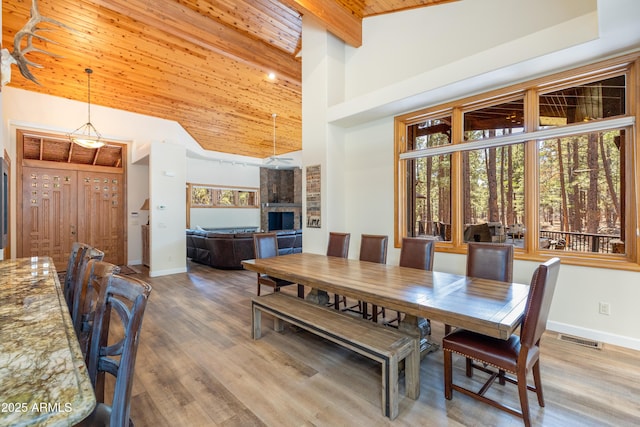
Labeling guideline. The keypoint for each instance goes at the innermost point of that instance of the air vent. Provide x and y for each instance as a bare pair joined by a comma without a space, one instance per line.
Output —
581,341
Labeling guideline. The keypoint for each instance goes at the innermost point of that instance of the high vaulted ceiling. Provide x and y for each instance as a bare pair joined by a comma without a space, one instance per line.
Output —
201,63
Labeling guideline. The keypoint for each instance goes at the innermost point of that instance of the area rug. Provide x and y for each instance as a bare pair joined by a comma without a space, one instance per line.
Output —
126,270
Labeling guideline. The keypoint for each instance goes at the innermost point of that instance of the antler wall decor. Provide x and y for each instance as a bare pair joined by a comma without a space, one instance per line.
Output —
28,33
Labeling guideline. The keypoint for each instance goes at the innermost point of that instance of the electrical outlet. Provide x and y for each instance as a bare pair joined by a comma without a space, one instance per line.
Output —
604,308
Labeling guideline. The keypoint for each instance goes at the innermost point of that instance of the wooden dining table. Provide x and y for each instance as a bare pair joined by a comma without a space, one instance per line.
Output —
485,306
43,376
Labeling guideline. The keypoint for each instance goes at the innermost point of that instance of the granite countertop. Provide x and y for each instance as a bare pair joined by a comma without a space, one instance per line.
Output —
43,377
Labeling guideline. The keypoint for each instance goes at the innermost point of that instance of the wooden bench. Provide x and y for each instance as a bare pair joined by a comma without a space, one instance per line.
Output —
382,344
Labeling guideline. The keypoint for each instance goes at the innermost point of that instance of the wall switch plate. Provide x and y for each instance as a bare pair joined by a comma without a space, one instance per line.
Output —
604,308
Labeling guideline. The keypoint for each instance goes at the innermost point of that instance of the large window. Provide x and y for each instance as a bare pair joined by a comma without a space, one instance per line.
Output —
548,166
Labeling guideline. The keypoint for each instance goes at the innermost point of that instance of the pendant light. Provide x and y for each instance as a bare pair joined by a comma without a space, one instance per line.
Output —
87,135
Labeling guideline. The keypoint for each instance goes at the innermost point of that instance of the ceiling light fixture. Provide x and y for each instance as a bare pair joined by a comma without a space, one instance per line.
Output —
87,135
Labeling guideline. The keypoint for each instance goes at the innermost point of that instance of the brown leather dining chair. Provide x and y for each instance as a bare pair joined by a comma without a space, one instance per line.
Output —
416,252
338,247
373,248
491,261
120,307
518,355
266,246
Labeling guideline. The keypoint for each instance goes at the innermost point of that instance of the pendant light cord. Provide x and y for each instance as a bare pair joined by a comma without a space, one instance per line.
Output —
274,133
88,71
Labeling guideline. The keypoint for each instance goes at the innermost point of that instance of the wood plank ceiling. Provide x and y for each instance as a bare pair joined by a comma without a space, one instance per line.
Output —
201,63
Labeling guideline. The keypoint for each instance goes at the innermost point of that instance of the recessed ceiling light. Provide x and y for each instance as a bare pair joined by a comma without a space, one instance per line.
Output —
272,76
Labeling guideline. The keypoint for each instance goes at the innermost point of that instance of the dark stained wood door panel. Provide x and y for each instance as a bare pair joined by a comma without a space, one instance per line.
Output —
48,213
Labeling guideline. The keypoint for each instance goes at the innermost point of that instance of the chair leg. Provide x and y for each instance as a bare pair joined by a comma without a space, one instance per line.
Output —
469,367
538,382
522,392
361,310
337,299
300,291
448,375
501,379
375,312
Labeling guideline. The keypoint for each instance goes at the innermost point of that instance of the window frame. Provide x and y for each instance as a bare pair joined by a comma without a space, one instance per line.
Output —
217,189
628,65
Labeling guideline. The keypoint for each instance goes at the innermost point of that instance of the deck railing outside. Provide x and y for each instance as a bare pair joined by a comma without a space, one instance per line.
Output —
580,242
558,240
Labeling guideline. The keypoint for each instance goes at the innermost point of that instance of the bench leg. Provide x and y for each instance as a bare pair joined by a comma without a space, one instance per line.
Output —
256,322
412,372
278,324
390,387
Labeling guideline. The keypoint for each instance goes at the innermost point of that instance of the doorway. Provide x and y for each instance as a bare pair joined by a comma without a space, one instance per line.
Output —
66,198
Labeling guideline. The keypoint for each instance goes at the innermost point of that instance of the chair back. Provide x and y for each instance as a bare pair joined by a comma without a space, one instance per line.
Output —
492,261
373,248
78,250
536,313
265,245
417,253
127,298
338,245
96,275
88,254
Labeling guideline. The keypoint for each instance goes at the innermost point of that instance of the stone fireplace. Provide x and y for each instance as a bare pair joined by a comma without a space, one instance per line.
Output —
280,199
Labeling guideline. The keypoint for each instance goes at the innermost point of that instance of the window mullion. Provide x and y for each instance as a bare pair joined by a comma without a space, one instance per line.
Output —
531,187
457,204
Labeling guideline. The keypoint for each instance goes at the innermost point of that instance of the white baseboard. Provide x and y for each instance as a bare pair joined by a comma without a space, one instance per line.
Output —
619,340
157,273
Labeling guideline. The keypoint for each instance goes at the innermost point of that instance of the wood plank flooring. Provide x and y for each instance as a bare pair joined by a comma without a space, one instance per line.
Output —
197,366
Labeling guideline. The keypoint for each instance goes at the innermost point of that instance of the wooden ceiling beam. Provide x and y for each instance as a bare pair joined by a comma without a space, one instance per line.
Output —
339,21
187,24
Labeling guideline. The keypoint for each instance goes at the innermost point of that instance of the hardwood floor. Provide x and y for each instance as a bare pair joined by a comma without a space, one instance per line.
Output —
197,366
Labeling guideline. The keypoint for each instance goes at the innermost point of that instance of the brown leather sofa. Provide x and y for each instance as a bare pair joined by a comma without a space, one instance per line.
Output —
228,250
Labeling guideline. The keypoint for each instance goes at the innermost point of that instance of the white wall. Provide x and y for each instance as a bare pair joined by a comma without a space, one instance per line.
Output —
322,142
540,27
384,78
167,209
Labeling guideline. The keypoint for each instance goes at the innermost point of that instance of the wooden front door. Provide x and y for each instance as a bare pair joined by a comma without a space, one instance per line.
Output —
101,218
49,206
70,194
62,206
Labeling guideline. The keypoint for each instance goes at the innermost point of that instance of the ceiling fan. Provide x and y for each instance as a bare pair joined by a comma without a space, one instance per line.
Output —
274,158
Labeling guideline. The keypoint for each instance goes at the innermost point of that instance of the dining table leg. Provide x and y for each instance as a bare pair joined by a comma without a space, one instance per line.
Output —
318,296
419,327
